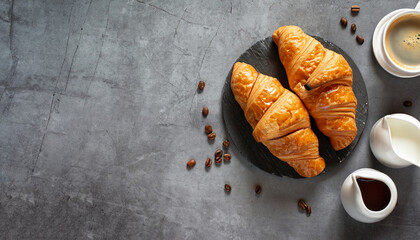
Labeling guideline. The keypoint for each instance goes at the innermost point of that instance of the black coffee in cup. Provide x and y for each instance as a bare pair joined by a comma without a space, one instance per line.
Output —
402,41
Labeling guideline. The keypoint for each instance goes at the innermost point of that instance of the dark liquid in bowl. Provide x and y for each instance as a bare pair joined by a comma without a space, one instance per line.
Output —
376,194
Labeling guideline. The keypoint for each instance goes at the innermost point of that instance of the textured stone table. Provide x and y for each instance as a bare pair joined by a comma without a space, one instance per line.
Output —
99,114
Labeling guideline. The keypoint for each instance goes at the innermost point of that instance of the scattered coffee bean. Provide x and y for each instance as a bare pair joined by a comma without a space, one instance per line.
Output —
208,129
208,162
201,85
353,27
191,163
228,188
408,103
227,157
355,8
308,211
205,111
258,189
211,136
218,156
343,22
218,153
226,143
302,204
360,39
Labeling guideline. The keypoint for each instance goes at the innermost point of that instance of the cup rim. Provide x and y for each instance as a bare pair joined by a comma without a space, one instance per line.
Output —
386,28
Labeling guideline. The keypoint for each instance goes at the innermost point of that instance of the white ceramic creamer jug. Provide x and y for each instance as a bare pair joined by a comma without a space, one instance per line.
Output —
395,140
368,195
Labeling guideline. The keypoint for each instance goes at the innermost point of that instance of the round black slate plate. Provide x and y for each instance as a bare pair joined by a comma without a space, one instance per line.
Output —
263,56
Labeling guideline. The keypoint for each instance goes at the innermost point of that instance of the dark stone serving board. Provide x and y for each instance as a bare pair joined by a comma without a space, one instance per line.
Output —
263,56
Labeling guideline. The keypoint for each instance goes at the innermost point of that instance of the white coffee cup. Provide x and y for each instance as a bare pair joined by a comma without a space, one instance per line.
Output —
379,39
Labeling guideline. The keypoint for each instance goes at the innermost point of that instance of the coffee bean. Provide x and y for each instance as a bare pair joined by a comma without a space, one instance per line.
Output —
227,157
218,156
343,22
353,27
258,189
211,136
360,39
408,103
355,8
302,204
191,163
218,153
208,162
208,129
308,211
201,85
228,188
226,143
205,111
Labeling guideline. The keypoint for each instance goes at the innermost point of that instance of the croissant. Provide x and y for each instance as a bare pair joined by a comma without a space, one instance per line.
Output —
279,119
323,80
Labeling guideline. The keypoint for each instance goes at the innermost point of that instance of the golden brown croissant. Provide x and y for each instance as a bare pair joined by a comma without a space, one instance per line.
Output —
323,80
279,119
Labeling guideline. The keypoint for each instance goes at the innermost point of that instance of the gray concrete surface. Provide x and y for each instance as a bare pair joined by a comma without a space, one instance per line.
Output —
99,115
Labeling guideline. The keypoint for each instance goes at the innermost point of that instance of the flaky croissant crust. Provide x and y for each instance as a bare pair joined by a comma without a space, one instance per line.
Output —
279,119
323,80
